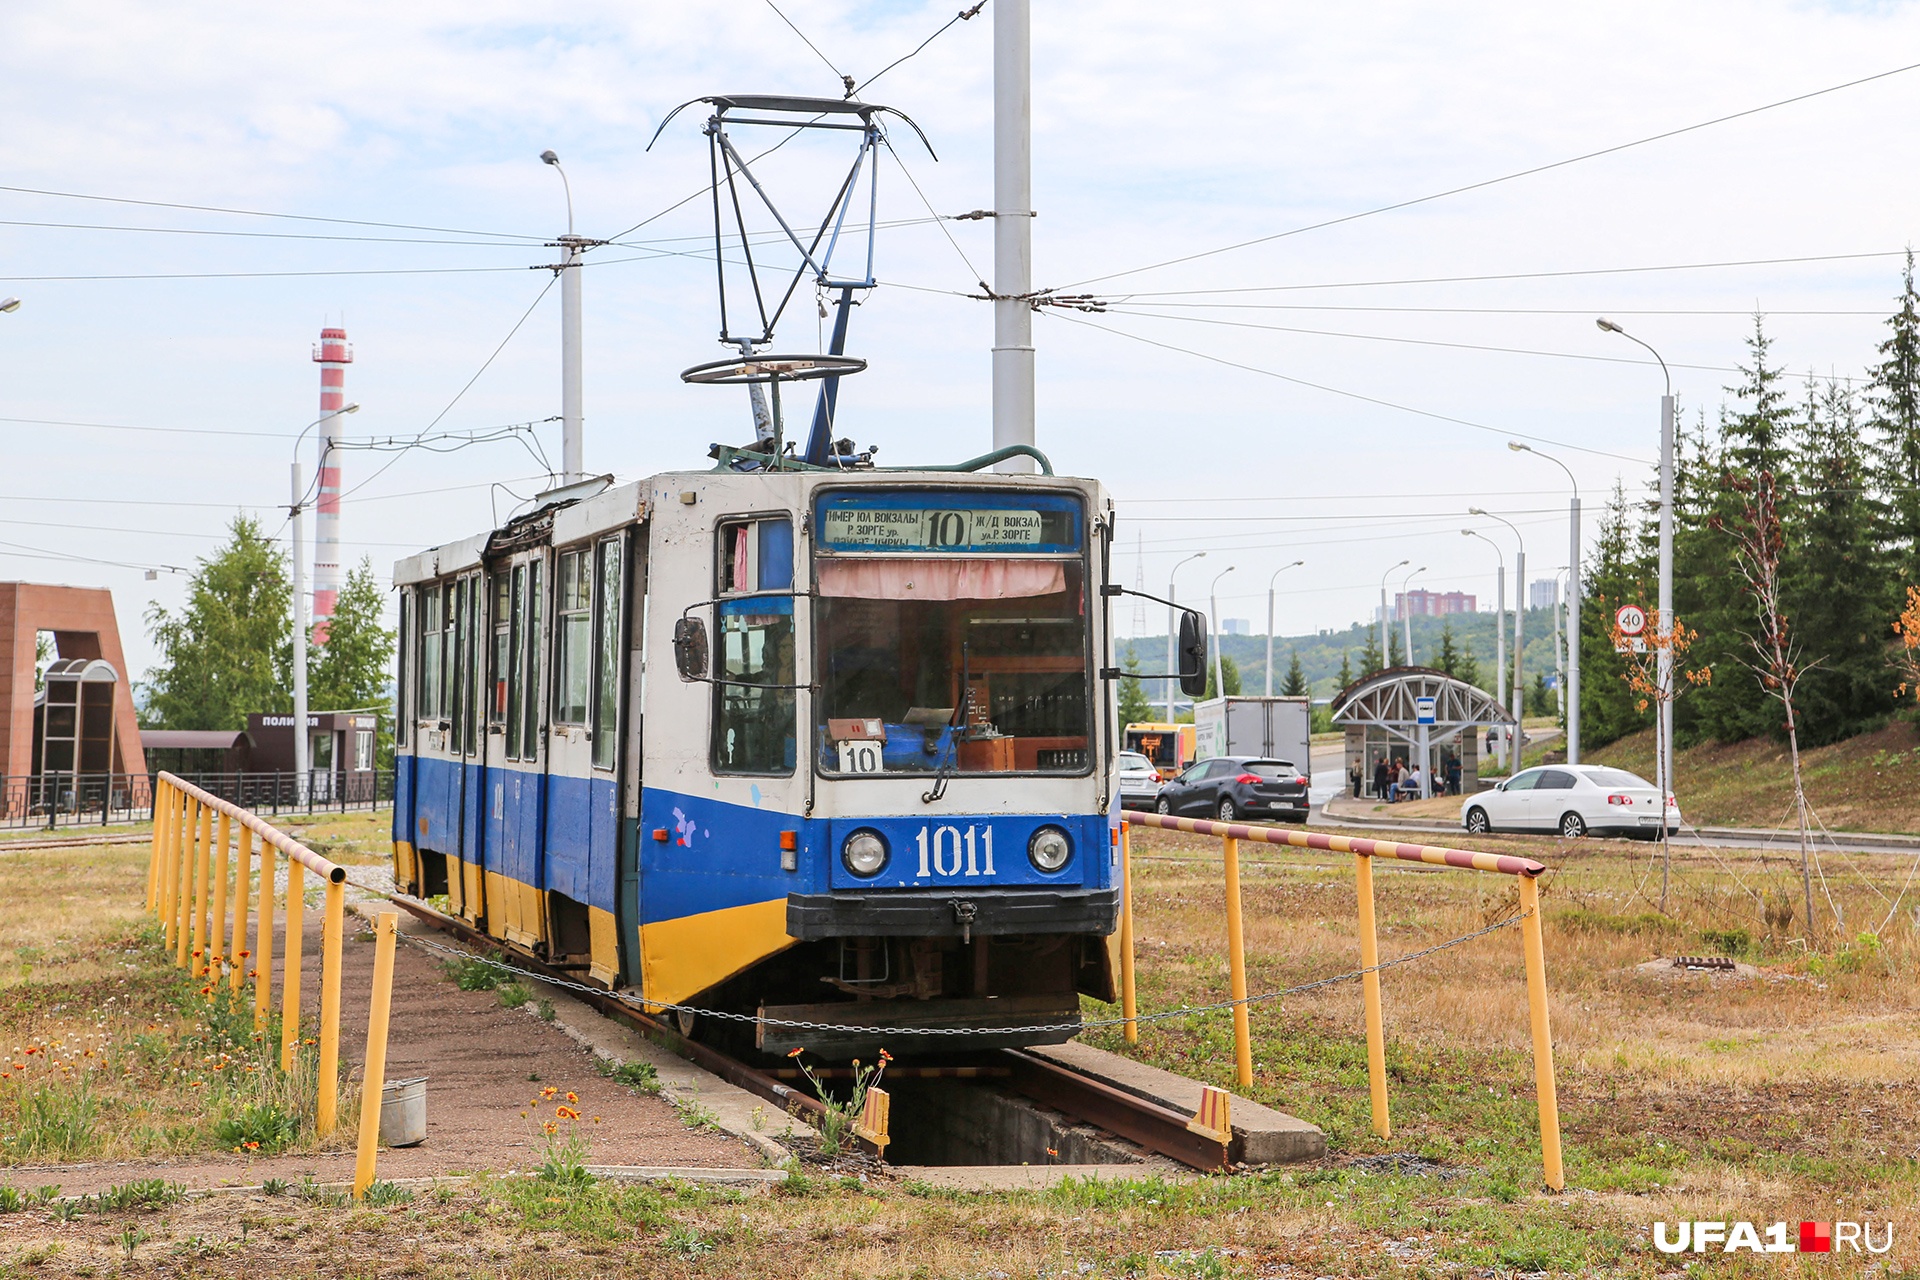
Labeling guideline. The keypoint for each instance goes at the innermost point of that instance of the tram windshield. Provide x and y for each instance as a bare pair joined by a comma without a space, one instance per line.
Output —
952,633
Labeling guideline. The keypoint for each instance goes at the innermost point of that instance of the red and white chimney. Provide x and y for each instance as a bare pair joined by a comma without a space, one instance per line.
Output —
333,355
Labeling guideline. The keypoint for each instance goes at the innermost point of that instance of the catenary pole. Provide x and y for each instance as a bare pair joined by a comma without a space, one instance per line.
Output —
1572,687
1270,580
1213,611
1012,230
1172,626
1385,648
572,449
1406,611
300,744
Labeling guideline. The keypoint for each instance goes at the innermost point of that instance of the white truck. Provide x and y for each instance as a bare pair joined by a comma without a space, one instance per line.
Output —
1276,728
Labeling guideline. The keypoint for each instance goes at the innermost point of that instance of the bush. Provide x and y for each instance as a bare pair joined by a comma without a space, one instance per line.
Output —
470,973
1729,942
264,1128
635,1075
513,995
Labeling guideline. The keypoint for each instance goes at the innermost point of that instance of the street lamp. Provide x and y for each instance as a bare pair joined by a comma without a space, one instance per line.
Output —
1213,608
1664,656
1406,611
1276,573
1171,627
9,304
1519,693
1384,646
298,512
1573,600
1499,619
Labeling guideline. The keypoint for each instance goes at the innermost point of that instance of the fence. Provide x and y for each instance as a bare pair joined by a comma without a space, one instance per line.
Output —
1525,870
54,800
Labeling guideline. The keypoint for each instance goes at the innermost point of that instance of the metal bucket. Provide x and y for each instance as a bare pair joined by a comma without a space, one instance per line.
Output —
403,1112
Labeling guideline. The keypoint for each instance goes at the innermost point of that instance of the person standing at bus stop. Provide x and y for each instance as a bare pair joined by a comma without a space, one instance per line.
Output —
1382,780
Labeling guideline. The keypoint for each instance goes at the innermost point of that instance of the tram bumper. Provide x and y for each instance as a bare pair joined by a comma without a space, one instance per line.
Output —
951,913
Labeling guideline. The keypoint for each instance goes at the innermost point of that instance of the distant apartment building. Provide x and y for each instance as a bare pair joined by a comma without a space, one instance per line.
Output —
1432,604
1235,627
1543,593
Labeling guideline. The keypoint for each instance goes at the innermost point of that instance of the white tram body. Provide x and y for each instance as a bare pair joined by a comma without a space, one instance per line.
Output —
873,785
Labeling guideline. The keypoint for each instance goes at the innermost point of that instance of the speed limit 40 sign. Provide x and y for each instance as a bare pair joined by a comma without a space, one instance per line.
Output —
1631,620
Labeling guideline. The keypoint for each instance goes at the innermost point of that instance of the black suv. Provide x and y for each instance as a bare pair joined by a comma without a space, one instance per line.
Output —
1230,787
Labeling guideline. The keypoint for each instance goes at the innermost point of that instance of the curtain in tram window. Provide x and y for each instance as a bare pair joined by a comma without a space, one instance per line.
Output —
954,579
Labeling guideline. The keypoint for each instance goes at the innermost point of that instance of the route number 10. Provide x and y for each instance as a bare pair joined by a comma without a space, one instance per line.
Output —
941,853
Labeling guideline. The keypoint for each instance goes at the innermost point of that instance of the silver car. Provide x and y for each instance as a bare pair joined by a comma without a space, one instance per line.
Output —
1139,781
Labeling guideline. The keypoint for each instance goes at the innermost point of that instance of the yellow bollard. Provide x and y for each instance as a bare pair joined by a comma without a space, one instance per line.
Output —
237,956
1127,1009
183,894
373,1077
332,925
1370,986
1542,1039
263,941
1237,947
290,968
217,935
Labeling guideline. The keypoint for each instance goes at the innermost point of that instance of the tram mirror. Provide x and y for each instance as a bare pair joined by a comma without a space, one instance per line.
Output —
690,648
1193,654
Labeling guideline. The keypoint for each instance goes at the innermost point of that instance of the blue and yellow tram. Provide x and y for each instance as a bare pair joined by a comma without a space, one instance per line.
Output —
828,746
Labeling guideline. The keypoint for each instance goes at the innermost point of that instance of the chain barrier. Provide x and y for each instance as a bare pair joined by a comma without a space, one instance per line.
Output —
1185,1011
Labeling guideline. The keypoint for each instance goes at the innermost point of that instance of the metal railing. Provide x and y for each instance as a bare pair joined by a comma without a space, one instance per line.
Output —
1525,871
54,800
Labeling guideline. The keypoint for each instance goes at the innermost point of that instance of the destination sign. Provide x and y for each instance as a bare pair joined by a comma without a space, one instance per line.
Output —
927,529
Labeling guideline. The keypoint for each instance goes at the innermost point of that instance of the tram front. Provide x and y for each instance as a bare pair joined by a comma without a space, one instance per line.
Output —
939,671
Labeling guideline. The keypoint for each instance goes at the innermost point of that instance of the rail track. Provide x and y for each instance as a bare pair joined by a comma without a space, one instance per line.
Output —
1138,1120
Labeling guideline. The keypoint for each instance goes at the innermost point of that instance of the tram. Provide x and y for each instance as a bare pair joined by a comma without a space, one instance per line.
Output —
826,745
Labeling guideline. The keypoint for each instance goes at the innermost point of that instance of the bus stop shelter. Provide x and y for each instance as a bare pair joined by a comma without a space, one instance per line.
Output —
1415,715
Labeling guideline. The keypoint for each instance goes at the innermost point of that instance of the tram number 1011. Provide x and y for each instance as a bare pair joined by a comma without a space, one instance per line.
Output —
941,851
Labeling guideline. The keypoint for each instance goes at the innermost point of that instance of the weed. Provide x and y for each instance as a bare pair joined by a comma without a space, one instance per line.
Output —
384,1195
264,1128
643,1076
565,1164
1728,942
57,1122
512,995
39,1254
11,1201
838,1118
131,1238
141,1193
687,1242
470,973
274,1186
695,1116
545,1009
43,1194
69,1210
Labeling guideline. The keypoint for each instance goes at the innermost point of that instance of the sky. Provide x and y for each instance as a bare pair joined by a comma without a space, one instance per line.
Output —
1338,396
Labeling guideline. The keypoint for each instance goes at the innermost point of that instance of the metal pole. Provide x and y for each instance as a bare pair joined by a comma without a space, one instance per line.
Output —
373,1074
290,967
1012,230
1573,632
1270,637
1237,956
300,631
1127,1006
1519,640
332,926
1543,1078
1500,637
1665,654
1370,994
1172,619
572,464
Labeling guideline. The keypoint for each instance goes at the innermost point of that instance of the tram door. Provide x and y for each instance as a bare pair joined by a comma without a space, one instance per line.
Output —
469,714
512,785
582,799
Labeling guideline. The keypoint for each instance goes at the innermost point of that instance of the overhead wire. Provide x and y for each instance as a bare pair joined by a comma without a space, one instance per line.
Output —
1509,177
963,16
217,431
256,213
257,235
844,78
1350,395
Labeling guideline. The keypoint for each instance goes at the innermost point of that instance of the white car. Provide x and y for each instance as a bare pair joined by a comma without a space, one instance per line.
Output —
1139,781
1573,800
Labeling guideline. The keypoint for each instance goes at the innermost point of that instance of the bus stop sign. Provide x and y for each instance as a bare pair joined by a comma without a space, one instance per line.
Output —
1423,710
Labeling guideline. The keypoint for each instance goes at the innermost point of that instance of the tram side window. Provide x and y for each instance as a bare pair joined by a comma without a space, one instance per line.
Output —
606,654
516,686
472,684
753,723
502,646
432,637
535,642
573,637
457,664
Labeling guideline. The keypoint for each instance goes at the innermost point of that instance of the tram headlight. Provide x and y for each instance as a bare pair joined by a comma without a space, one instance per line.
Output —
864,853
1049,849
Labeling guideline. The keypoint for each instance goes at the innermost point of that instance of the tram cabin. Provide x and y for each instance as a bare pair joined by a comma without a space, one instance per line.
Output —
832,747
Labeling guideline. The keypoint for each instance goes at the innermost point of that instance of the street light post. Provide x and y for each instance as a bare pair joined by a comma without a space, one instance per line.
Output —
1213,610
1664,634
1406,611
302,627
1499,618
1276,573
1573,601
1385,647
573,465
1172,621
1519,637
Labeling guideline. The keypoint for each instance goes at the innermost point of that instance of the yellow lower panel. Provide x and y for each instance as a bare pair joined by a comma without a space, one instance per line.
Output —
680,958
605,931
516,912
405,865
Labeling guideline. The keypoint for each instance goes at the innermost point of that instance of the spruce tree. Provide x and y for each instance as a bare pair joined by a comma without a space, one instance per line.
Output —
1467,668
1447,659
1346,668
1296,681
1893,410
1369,655
1837,588
1621,572
1134,707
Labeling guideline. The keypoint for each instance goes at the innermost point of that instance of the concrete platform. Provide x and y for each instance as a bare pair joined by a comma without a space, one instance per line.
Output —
1261,1134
